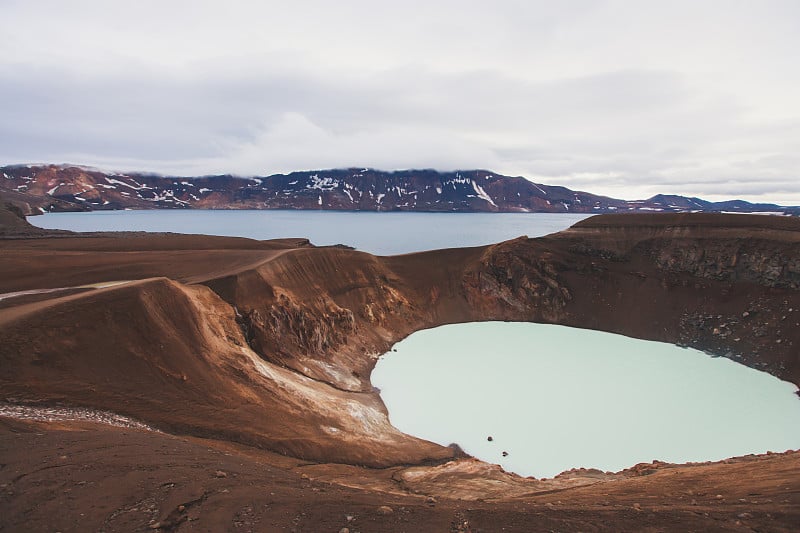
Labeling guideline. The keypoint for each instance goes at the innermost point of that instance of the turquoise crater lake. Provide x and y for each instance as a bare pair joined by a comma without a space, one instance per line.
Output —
555,398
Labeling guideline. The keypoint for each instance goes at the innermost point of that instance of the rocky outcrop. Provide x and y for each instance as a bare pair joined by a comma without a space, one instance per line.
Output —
726,248
327,313
725,284
742,260
513,281
290,328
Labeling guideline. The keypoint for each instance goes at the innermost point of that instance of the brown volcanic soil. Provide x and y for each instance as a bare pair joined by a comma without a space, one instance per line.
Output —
264,350
88,477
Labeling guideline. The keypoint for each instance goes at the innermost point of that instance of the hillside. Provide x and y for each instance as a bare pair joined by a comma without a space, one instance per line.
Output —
70,188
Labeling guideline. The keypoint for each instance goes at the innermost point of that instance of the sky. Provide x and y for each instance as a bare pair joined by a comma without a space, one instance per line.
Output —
622,98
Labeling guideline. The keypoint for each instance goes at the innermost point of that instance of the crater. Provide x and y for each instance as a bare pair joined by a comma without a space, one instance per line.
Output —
540,399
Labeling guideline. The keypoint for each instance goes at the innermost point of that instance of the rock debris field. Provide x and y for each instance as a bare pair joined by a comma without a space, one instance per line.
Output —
69,414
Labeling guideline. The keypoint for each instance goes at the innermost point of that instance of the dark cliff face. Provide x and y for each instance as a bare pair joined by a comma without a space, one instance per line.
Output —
56,188
725,284
729,296
511,283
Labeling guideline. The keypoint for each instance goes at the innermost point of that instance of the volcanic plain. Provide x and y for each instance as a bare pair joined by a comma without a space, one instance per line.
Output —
164,382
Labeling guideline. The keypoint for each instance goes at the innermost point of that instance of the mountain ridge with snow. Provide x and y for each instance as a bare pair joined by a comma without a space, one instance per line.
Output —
78,188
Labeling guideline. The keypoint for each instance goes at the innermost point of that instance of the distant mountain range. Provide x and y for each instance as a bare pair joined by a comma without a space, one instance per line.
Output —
71,188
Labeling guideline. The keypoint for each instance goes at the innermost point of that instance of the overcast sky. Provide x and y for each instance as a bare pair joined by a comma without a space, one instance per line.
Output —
624,98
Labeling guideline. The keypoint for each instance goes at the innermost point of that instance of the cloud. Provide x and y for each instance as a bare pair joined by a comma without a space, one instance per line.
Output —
296,142
615,97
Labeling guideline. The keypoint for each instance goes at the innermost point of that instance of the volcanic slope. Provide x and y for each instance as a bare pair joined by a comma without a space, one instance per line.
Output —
264,349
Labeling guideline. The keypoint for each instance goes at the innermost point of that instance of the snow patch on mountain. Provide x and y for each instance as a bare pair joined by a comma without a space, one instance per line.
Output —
322,184
482,194
539,188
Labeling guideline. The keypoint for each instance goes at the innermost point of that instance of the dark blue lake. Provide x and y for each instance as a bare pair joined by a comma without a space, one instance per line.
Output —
377,233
